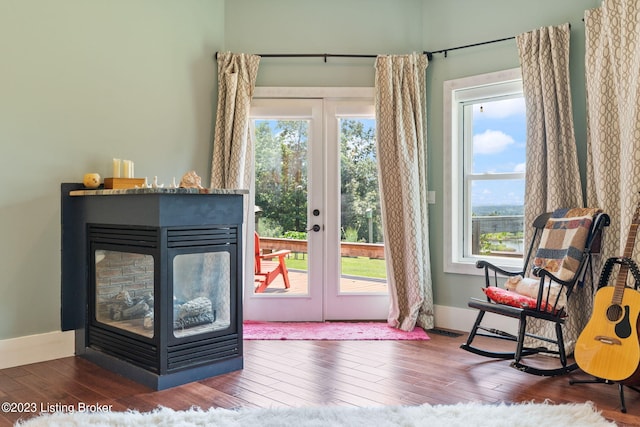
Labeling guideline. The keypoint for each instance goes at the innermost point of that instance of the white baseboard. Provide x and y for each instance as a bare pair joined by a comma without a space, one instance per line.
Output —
36,348
461,319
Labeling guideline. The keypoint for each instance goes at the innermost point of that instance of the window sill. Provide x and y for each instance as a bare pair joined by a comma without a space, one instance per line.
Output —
469,267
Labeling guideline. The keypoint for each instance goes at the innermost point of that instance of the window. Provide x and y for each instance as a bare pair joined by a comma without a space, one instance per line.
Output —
485,138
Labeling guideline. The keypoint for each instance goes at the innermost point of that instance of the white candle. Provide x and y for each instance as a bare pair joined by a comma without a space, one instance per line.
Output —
116,168
131,174
127,168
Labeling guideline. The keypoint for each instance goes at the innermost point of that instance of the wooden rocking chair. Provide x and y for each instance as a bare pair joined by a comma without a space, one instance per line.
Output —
265,270
558,257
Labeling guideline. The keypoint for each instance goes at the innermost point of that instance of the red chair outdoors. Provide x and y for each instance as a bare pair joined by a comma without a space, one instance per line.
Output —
266,270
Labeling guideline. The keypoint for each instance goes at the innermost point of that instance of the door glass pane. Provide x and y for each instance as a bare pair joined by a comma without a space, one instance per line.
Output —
281,149
362,268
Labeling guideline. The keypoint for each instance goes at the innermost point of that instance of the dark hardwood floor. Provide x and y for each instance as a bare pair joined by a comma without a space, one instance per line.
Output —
312,373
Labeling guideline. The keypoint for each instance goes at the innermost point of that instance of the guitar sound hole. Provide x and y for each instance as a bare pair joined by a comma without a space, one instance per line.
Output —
614,313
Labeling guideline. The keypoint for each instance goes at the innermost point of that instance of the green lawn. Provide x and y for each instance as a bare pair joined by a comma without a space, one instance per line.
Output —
360,266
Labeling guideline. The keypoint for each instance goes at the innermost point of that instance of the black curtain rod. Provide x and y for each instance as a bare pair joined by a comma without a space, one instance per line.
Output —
334,55
315,55
430,54
311,55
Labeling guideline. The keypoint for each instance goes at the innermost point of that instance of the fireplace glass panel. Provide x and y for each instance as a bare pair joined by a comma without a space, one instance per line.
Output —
201,293
124,291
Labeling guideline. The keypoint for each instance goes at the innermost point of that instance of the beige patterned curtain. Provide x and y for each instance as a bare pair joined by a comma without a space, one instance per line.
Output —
401,143
231,164
613,116
552,175
232,146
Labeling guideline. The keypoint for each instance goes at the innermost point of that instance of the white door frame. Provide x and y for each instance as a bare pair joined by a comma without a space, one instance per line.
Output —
338,305
272,307
323,302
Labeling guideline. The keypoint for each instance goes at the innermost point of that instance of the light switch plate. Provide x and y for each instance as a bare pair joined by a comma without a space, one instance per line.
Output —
431,197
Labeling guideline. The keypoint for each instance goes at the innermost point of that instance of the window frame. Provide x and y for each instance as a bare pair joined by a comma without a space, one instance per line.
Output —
458,93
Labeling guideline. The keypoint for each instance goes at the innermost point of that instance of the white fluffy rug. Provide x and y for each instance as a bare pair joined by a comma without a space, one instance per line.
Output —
463,415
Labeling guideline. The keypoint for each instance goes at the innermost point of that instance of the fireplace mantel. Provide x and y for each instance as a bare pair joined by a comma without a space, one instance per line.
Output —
162,190
190,242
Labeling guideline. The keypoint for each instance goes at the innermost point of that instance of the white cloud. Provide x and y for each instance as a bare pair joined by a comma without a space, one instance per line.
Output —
491,142
520,167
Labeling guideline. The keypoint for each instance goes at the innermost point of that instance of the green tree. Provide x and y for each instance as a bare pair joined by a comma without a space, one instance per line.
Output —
281,176
359,184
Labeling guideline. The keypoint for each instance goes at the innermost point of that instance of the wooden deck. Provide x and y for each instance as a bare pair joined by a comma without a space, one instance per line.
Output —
298,279
371,250
348,284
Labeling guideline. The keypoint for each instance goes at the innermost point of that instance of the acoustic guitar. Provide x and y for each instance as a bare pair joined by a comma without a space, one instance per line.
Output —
608,348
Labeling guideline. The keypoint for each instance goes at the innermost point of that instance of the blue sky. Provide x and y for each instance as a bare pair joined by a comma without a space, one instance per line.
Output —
499,140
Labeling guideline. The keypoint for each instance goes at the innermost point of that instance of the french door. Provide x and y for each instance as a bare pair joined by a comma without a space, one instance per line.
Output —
315,195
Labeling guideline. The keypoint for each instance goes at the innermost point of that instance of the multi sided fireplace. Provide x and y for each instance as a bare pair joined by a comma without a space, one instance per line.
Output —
161,287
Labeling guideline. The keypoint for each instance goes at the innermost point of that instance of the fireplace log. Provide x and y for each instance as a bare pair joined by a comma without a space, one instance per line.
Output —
190,322
136,311
194,307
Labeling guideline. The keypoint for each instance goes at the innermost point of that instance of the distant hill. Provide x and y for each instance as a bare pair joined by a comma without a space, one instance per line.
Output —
498,210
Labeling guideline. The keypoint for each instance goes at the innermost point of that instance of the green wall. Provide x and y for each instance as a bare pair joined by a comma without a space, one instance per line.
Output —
83,81
322,26
460,22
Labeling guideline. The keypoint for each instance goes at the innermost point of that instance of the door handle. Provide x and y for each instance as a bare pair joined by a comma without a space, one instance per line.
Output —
315,228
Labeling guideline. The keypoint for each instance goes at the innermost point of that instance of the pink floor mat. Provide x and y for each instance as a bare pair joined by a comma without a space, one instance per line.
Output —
333,331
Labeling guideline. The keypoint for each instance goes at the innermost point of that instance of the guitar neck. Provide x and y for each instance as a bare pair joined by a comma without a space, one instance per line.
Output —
621,281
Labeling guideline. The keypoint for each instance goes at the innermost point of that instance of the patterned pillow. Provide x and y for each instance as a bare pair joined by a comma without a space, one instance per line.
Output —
563,240
513,299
